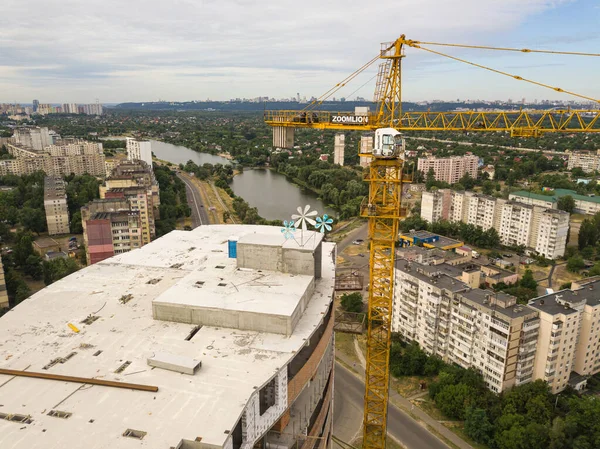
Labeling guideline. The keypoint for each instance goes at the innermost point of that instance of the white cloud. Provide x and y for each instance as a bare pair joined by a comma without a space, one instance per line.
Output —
77,50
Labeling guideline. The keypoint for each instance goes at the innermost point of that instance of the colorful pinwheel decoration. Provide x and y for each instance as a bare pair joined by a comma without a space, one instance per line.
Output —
323,224
303,217
288,229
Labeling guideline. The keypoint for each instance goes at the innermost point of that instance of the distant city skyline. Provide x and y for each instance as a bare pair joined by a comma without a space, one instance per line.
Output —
145,51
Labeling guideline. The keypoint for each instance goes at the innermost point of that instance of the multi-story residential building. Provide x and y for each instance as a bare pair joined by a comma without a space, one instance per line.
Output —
32,137
515,224
75,159
586,160
239,344
139,201
140,150
531,224
480,210
449,169
588,205
468,326
55,205
3,293
565,343
110,227
552,233
436,205
339,149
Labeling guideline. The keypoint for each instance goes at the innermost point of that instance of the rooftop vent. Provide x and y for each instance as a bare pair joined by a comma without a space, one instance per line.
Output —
131,433
59,414
125,298
90,319
121,368
23,419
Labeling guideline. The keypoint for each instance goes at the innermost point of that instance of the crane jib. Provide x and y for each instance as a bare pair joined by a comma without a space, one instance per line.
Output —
350,119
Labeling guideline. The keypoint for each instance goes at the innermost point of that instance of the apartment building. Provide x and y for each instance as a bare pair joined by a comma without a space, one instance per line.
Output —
140,150
516,224
110,227
139,201
588,205
552,233
449,169
27,161
32,137
586,160
480,210
240,346
436,205
55,205
467,326
531,224
339,149
569,334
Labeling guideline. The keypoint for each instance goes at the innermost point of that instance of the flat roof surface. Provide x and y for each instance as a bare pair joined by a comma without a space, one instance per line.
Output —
514,311
422,235
120,291
549,304
443,281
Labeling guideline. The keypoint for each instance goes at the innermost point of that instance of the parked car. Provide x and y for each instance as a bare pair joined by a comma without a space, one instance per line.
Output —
507,255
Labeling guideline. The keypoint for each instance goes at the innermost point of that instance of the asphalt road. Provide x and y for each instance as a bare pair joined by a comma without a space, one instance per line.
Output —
199,215
349,393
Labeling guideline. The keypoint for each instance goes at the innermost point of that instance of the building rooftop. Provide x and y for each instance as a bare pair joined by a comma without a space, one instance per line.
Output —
556,195
564,301
421,272
54,188
429,239
120,292
496,300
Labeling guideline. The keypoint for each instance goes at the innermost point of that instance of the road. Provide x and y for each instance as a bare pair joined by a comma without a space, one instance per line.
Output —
348,404
199,215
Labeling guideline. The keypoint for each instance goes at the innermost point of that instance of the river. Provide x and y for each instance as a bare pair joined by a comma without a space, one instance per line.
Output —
271,193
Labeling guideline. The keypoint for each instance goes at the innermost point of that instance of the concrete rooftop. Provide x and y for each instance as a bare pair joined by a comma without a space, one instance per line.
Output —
120,291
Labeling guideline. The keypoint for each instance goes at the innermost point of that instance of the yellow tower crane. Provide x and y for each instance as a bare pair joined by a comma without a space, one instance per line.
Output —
383,208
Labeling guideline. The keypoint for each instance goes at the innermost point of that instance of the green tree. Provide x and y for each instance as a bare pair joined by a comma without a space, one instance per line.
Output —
575,264
527,281
76,226
58,268
453,400
477,425
566,203
33,219
352,302
33,266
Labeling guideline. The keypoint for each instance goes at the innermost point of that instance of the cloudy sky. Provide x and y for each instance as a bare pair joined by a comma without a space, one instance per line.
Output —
145,50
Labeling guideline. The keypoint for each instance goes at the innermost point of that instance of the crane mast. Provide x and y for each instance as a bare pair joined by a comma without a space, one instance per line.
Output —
383,207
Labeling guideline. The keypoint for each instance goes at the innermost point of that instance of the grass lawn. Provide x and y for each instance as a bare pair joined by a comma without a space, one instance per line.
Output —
562,276
344,343
407,386
428,406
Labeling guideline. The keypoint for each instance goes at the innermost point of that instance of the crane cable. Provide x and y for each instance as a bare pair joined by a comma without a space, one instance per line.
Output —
339,85
521,50
517,77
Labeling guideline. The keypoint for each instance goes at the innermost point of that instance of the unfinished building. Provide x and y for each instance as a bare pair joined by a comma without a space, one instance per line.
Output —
225,332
